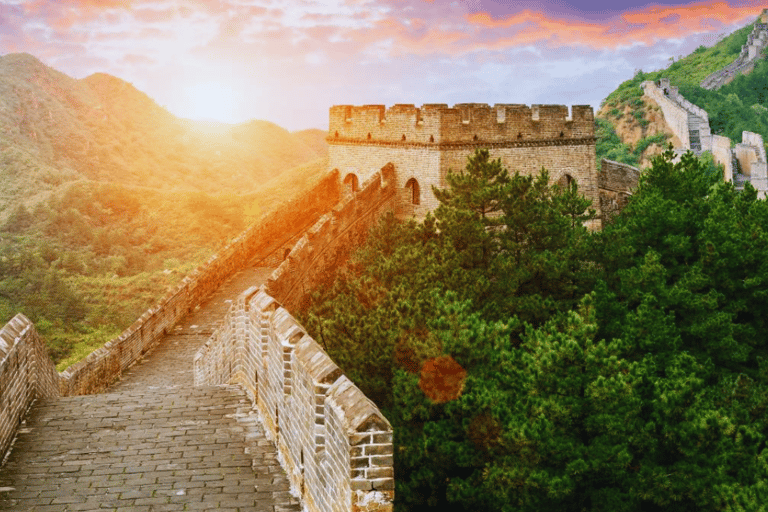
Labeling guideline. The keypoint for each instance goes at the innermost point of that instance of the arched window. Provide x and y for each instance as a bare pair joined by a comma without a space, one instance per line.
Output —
350,183
415,192
565,181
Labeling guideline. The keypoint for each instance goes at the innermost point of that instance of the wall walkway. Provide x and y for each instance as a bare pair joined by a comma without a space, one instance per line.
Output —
751,52
153,441
336,444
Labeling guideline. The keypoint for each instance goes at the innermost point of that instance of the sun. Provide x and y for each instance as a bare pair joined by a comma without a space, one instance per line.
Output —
210,101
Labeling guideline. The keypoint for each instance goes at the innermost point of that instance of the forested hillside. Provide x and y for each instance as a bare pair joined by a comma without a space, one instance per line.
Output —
528,364
106,199
55,129
628,125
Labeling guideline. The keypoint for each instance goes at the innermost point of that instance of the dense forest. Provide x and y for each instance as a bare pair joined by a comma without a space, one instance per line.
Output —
527,363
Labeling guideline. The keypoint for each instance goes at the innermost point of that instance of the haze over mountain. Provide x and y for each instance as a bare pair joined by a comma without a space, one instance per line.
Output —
55,129
106,199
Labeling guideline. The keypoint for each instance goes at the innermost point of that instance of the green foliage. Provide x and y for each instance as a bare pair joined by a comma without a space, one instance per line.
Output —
628,375
690,70
642,144
737,106
498,249
609,145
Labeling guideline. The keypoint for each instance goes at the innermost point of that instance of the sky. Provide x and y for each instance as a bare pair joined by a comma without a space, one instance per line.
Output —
289,61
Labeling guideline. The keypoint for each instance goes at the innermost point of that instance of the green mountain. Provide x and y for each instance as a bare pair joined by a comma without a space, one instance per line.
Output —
107,199
55,129
631,129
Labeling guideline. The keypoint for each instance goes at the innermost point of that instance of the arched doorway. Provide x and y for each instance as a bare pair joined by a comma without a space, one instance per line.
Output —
350,183
565,181
414,191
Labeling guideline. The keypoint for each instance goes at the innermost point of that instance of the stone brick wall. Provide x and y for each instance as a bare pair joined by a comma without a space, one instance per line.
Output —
751,51
721,151
750,154
681,115
424,143
435,124
328,244
559,158
421,164
262,240
26,374
335,444
617,182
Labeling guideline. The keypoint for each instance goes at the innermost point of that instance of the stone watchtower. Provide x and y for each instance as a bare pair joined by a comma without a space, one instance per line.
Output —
422,144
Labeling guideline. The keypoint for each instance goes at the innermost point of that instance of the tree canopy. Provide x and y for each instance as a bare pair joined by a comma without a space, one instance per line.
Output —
529,364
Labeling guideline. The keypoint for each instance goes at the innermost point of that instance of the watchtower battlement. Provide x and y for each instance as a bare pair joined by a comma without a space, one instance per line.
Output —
420,145
465,123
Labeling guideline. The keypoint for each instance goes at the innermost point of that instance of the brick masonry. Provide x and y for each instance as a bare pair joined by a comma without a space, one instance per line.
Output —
26,374
335,444
423,144
328,244
617,182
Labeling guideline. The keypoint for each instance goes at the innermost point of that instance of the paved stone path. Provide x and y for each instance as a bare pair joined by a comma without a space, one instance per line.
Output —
152,442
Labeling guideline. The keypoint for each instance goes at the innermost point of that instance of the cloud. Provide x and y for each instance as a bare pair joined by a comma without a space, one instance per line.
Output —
643,27
300,55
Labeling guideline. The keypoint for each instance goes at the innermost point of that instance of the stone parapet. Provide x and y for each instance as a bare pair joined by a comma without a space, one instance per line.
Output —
329,242
26,374
463,123
335,444
616,182
105,365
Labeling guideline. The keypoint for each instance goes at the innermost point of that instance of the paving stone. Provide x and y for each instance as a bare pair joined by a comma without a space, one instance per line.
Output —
151,442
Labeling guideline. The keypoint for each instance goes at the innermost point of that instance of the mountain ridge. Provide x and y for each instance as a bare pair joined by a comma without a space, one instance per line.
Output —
56,129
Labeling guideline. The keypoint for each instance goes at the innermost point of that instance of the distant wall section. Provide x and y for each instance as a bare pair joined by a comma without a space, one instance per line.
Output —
751,51
744,162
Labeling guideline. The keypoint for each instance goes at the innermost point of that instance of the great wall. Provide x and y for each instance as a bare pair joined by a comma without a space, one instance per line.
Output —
751,52
745,161
334,444
250,387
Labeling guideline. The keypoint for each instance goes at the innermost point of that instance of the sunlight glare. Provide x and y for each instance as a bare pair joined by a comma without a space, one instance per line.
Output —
211,101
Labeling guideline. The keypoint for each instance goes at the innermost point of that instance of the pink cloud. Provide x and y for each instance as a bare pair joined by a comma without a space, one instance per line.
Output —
644,26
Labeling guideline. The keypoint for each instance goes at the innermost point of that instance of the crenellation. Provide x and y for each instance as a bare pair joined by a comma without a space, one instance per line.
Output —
435,124
415,148
333,440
